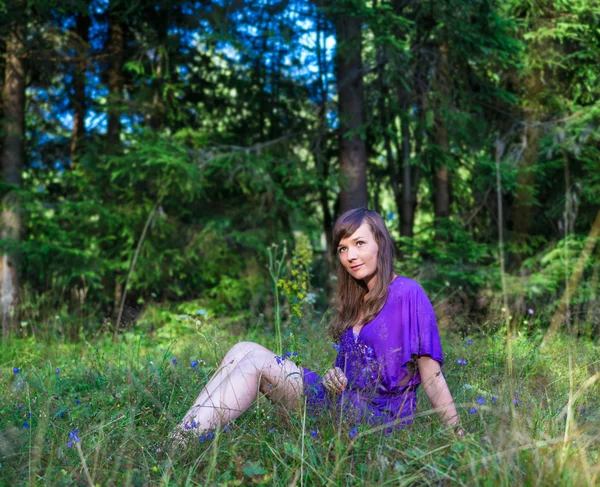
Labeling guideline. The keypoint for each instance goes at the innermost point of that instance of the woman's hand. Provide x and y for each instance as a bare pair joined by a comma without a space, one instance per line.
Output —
335,380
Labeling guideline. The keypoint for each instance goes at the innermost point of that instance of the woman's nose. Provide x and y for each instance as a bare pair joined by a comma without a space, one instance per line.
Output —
351,253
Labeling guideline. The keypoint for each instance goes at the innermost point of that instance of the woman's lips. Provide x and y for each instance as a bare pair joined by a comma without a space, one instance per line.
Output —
355,267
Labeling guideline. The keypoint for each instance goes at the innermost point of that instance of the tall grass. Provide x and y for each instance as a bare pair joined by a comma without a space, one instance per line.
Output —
124,398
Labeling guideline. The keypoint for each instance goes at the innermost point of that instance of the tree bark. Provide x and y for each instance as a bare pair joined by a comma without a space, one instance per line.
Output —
524,198
353,153
442,177
12,165
82,31
116,81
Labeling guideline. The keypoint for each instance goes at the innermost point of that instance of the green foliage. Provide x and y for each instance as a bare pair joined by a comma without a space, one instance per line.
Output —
294,285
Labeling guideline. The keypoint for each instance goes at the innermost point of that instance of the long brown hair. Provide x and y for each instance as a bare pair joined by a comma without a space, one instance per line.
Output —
350,295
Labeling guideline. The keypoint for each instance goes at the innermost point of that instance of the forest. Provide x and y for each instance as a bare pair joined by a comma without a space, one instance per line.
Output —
171,174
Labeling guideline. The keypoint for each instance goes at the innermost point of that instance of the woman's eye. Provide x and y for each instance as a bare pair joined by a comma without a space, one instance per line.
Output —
341,249
359,242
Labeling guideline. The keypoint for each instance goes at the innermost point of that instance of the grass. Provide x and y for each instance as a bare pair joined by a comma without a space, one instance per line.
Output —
123,398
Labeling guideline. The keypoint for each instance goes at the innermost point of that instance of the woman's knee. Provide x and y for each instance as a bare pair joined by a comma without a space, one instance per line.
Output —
239,351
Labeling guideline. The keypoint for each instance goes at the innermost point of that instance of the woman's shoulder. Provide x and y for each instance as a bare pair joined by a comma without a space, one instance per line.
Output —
404,287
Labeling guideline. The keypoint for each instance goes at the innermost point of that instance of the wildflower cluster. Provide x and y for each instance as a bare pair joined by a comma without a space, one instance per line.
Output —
295,285
281,359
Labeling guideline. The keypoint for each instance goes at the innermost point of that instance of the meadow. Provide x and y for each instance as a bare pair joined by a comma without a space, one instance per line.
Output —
93,413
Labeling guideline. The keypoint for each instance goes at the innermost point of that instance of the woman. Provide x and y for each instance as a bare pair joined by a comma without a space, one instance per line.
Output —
388,345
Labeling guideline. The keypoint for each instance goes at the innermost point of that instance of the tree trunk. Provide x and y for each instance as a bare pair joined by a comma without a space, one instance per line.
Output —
524,197
442,177
115,48
116,57
353,153
82,31
13,155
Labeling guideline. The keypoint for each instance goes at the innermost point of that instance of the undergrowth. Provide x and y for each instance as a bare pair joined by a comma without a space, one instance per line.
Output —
73,414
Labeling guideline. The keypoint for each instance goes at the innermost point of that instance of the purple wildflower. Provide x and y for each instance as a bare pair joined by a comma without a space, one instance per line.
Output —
515,401
78,403
461,361
268,328
294,354
57,371
74,435
288,354
16,370
494,399
313,433
580,358
227,429
26,425
353,432
473,410
530,311
480,400
194,364
69,444
174,361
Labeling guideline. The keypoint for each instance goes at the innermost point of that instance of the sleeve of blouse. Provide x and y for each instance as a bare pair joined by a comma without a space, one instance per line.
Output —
411,331
425,337
417,325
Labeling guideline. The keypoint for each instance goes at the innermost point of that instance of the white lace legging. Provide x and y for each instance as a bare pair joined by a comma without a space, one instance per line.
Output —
246,369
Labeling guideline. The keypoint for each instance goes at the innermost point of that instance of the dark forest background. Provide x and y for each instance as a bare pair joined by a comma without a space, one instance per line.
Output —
153,151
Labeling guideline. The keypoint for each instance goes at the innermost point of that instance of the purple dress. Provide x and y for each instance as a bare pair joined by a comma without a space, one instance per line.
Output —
380,362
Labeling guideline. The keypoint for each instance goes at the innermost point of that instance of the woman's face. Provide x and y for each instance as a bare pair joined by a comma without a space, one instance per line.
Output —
358,254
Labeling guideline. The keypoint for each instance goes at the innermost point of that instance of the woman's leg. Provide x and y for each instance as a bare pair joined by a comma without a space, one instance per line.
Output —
247,368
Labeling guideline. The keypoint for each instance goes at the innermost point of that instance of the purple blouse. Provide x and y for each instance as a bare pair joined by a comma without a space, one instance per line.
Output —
379,362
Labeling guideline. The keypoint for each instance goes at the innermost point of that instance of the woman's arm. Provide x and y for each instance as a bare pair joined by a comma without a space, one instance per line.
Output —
437,391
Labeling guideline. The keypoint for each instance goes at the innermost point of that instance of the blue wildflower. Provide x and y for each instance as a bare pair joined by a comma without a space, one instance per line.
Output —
473,411
16,370
78,403
515,401
69,444
268,328
288,354
313,433
227,429
74,435
201,438
279,359
174,361
530,311
353,432
494,399
194,364
26,425
210,435
295,354
20,408
480,400
57,371
271,429
461,361
580,358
